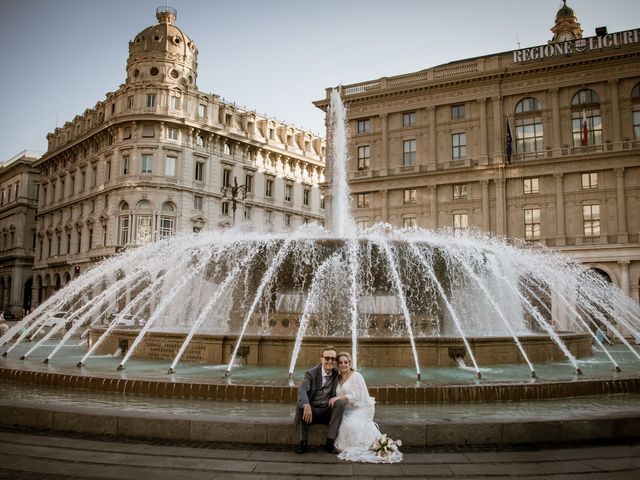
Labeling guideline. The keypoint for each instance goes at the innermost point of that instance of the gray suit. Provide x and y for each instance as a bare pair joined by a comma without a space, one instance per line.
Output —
311,392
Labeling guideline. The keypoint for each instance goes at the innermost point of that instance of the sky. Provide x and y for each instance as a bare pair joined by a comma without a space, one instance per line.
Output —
61,57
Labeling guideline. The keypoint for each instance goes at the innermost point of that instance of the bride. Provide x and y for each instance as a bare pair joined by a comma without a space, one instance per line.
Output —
358,433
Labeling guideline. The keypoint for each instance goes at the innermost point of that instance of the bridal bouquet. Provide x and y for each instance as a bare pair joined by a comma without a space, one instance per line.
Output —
385,447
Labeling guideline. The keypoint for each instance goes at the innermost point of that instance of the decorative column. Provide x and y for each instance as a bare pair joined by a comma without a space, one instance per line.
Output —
484,158
615,109
561,238
555,123
433,190
432,156
624,276
500,207
486,218
385,205
497,130
385,161
623,234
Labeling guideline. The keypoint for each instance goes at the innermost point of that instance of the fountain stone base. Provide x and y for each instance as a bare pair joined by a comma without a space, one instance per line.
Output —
275,351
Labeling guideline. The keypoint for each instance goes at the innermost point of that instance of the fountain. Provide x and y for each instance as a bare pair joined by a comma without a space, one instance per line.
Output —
400,299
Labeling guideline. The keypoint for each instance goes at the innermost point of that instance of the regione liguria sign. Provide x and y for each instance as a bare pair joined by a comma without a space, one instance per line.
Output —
581,45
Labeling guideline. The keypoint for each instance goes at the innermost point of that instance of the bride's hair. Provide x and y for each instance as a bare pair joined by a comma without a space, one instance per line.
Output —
348,355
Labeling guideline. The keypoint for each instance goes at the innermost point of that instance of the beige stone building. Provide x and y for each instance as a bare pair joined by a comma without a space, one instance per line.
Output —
430,148
18,190
151,159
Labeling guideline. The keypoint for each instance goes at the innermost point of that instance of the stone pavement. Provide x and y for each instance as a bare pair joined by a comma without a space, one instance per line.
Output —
38,455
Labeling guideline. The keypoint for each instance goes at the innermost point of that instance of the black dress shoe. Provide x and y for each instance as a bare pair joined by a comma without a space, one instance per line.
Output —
330,446
302,447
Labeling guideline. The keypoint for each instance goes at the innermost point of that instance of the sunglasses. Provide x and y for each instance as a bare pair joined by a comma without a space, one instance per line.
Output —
329,359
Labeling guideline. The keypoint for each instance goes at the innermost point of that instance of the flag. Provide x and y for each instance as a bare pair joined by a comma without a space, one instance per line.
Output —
509,143
585,129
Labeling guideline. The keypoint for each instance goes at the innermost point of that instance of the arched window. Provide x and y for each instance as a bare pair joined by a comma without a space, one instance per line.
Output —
144,223
529,135
635,106
167,220
586,122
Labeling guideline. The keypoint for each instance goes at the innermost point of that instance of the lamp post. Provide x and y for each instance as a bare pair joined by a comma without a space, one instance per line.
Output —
235,193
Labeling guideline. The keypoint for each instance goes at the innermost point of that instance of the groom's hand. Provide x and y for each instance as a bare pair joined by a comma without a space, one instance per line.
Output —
307,416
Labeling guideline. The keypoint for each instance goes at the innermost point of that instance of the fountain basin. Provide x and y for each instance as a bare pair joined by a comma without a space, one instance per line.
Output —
275,351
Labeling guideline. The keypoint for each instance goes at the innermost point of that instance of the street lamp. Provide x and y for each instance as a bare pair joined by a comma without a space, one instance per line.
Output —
235,193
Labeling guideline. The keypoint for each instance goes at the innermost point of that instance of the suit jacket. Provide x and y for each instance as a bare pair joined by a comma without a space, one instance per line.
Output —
312,383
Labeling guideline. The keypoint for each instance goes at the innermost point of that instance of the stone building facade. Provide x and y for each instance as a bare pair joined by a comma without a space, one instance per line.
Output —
540,144
18,189
150,161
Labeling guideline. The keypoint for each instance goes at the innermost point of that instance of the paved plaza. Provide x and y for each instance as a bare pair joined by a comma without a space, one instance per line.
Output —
39,455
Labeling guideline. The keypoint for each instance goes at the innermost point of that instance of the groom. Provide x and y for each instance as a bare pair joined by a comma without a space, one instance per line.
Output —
317,388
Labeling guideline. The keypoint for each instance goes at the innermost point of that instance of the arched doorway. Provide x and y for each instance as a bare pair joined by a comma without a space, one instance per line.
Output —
26,296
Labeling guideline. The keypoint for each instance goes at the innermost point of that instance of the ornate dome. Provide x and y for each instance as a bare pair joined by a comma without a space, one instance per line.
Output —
565,12
163,53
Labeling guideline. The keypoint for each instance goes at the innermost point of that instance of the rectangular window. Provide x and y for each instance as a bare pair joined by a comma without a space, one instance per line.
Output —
268,216
636,124
197,203
457,112
408,222
408,152
225,208
408,119
172,133
125,165
363,200
167,227
90,240
248,181
83,180
226,177
202,110
247,213
594,127
199,173
530,185
170,166
459,191
591,220
459,146
589,180
364,126
130,101
148,131
322,199
144,229
107,172
151,100
288,191
268,187
79,242
175,102
409,195
146,163
362,225
532,223
287,220
126,134
460,221
199,140
363,157
124,230
305,197
94,176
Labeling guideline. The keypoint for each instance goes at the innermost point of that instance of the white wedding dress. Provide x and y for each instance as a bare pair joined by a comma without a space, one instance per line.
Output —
358,432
